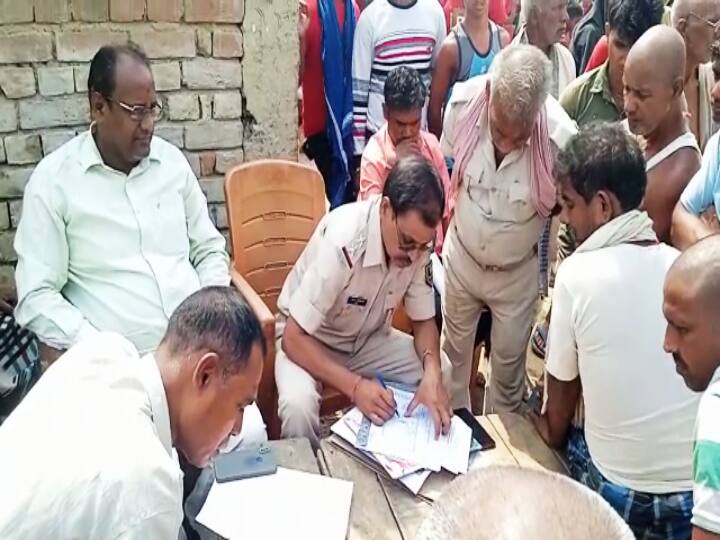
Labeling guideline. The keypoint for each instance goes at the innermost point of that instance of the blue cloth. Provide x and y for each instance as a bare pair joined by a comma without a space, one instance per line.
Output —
704,188
337,70
651,517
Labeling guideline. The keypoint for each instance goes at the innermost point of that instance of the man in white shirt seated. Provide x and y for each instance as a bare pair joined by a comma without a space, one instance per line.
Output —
606,338
91,451
115,230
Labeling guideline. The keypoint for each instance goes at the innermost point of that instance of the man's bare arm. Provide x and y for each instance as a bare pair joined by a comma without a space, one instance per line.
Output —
687,228
562,400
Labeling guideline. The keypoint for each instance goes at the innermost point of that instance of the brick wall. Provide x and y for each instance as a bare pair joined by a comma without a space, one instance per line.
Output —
226,71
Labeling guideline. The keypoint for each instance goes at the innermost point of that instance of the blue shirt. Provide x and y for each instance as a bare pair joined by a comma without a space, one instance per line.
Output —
704,188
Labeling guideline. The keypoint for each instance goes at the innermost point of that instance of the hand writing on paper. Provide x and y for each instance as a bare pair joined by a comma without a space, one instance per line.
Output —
375,402
433,395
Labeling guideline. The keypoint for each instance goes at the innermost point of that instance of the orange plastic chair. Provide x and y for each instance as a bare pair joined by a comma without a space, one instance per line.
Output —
273,208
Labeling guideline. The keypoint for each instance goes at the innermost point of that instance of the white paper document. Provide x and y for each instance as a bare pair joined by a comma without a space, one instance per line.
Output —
287,505
347,428
412,439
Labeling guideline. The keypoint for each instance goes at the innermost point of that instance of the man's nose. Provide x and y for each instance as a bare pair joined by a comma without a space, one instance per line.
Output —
147,122
669,341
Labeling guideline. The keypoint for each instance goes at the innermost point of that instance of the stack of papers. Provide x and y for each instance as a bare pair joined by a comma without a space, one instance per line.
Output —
287,505
406,447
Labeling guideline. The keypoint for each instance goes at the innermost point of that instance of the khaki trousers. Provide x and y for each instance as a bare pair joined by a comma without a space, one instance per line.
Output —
391,354
511,296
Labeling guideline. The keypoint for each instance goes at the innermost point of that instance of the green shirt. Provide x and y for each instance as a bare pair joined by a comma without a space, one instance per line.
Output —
588,98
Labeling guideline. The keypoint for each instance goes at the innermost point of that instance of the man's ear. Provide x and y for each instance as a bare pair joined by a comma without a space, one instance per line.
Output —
681,26
607,28
678,87
605,205
208,369
98,105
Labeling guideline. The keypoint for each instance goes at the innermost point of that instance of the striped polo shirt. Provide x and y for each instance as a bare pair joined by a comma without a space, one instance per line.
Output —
388,36
706,460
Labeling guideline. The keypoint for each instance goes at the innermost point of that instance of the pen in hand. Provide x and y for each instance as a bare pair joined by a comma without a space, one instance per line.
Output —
381,380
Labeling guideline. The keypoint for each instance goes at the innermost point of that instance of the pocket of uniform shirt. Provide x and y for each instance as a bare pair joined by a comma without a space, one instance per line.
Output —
171,235
519,193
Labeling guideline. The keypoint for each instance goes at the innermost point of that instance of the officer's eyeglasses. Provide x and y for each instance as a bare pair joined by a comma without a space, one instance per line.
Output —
714,25
408,245
138,113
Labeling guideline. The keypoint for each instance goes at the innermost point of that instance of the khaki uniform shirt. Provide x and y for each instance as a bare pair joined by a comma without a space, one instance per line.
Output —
494,216
341,290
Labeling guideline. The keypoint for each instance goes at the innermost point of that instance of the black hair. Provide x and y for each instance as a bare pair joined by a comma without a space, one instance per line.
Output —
574,9
715,51
404,89
414,184
215,319
102,68
630,19
603,156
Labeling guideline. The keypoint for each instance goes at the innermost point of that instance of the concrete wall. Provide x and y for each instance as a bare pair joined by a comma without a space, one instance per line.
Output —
226,71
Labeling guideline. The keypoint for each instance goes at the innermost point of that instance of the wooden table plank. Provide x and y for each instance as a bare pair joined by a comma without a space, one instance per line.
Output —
370,514
409,512
524,442
295,454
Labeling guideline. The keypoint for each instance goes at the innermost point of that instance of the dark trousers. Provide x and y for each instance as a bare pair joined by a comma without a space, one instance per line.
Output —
317,148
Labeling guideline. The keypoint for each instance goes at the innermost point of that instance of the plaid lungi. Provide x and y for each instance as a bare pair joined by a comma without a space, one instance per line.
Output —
19,364
650,516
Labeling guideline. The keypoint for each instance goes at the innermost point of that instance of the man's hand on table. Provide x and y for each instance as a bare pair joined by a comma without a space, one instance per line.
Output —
433,395
375,402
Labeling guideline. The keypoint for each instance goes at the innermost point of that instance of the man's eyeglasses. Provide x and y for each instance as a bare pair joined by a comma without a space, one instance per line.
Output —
410,246
714,25
138,112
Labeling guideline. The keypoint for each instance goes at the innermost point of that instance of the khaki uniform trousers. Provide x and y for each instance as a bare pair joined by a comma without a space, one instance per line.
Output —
511,296
392,354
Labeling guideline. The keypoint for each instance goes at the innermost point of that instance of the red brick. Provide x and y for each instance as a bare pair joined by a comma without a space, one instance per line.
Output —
53,11
90,10
227,11
227,43
207,163
127,10
164,10
25,47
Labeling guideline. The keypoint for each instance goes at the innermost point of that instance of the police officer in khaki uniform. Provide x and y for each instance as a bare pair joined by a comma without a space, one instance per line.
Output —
337,305
490,253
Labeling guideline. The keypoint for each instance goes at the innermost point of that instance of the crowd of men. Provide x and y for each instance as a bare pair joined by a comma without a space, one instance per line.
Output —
475,155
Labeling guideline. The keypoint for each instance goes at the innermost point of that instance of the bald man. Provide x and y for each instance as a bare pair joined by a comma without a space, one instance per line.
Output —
697,21
654,105
696,215
691,299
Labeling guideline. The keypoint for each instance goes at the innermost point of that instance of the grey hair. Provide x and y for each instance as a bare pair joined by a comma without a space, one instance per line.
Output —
520,81
528,6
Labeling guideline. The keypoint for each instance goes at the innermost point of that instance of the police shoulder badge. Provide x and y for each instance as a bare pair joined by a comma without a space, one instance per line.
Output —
428,273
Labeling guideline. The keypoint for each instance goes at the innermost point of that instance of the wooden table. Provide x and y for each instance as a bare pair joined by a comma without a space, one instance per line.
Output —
290,453
383,510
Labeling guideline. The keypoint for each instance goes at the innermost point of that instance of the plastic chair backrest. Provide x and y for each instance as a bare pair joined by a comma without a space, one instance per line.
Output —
273,208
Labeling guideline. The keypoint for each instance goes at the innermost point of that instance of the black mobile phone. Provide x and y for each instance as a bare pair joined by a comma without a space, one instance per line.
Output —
482,437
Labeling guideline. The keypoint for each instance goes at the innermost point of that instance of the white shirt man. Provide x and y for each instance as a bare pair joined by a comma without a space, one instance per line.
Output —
608,330
110,470
99,250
